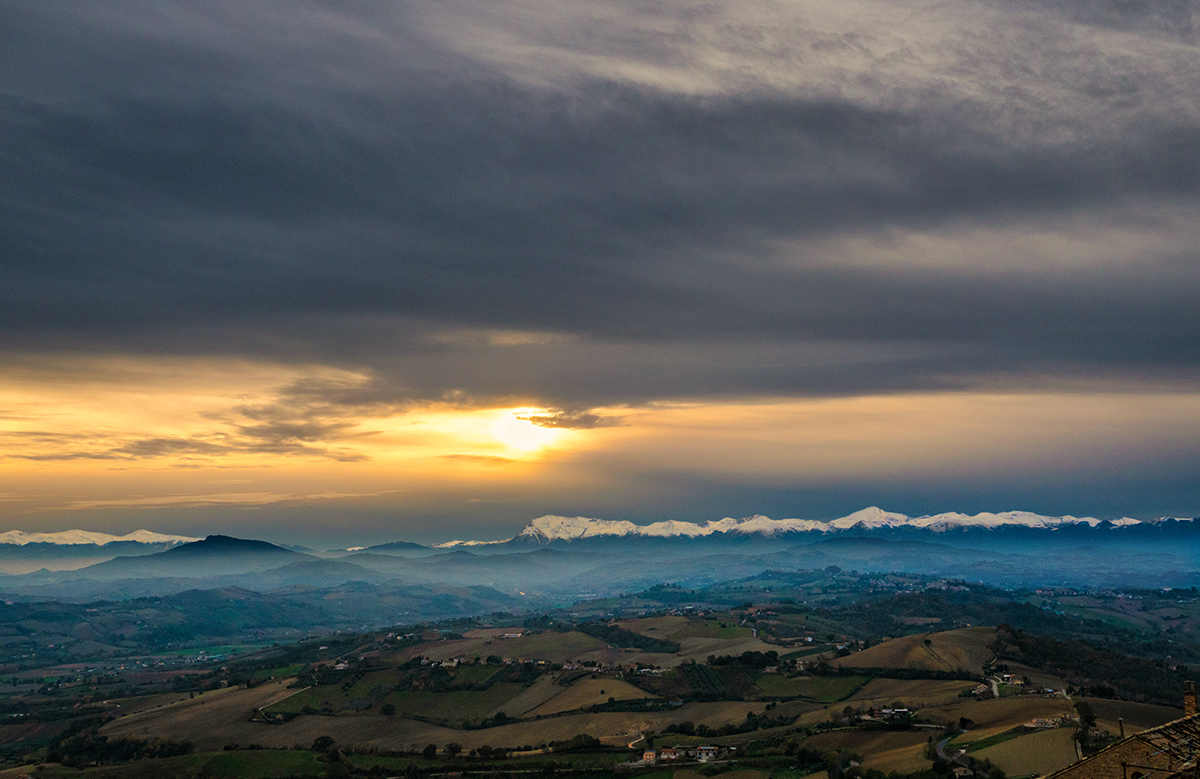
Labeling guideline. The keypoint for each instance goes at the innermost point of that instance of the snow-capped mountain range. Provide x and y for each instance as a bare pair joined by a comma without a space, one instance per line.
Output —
554,528
77,537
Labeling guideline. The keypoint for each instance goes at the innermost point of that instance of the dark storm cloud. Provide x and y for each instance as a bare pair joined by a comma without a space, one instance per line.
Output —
330,183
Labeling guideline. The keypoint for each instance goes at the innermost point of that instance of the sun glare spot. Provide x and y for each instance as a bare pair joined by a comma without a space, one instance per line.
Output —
521,435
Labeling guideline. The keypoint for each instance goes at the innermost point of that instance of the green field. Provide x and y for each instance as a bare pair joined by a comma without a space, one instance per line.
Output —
712,629
589,692
904,693
826,689
473,674
332,696
1034,754
280,672
808,651
264,763
555,647
215,649
990,741
456,706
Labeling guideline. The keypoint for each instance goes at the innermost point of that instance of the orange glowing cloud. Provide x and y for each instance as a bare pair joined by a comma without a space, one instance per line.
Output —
114,437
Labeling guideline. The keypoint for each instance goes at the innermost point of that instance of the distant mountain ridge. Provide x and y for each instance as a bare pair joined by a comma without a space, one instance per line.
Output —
559,558
553,528
79,537
211,556
559,529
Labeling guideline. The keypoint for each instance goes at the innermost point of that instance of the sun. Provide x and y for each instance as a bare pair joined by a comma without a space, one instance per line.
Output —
522,435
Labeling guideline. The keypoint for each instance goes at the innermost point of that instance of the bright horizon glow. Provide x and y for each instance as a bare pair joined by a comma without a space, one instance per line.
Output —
521,435
130,447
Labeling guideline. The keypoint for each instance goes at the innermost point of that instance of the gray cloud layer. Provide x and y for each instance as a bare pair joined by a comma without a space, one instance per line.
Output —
581,205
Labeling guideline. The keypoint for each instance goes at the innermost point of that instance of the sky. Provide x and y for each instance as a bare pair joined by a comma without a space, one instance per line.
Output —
339,272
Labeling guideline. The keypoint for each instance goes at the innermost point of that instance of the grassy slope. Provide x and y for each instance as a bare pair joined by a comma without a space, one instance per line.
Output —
589,692
656,627
1138,716
555,647
910,692
885,750
822,688
457,705
530,698
1035,754
999,714
697,638
952,650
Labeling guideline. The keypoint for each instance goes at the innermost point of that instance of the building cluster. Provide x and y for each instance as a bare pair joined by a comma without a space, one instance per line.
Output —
1170,751
1049,723
887,715
703,754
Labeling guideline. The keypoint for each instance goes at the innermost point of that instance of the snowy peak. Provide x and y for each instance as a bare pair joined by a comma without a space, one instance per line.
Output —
951,521
554,528
551,528
870,517
74,537
461,543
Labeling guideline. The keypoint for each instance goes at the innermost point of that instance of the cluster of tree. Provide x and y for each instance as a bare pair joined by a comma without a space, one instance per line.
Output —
148,623
575,743
619,636
425,678
517,673
825,669
631,704
538,621
756,660
669,594
791,746
190,615
79,745
976,604
706,683
1088,667
751,723
694,681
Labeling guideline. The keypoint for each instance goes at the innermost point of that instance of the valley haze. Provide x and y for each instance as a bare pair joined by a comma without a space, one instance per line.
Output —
575,555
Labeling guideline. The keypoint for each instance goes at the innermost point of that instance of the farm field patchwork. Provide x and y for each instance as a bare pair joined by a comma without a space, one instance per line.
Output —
400,692
1035,754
